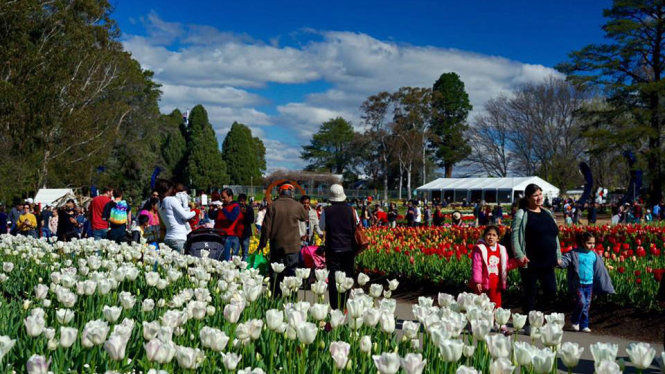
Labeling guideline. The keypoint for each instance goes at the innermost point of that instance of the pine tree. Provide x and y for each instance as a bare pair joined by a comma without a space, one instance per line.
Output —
173,145
205,167
243,154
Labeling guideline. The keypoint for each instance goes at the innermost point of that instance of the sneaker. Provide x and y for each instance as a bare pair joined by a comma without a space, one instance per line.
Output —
576,327
586,329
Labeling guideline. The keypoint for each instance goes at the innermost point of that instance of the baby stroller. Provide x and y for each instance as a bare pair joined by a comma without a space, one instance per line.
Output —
205,239
313,257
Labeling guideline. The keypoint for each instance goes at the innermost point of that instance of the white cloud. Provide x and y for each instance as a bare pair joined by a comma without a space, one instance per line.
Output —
215,68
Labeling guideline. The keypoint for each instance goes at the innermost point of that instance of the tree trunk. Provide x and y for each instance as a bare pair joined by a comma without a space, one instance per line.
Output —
424,165
401,176
449,170
408,180
385,178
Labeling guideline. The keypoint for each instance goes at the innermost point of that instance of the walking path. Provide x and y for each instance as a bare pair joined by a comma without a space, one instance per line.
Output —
404,312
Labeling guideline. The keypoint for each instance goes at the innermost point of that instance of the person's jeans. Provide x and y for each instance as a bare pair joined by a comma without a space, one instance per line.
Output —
46,232
231,246
365,223
581,312
244,244
99,234
175,244
31,233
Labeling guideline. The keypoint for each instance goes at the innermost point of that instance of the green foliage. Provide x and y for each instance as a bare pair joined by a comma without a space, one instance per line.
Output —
450,108
173,145
629,69
205,167
244,155
70,99
331,147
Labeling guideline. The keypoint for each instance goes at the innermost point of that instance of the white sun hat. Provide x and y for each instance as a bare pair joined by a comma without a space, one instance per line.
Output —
337,193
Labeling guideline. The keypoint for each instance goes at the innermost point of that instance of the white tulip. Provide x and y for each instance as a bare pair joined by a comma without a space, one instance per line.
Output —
501,366
274,319
356,308
519,320
319,311
148,305
501,316
306,332
366,344
337,318
115,346
94,333
392,285
551,334
319,287
445,300
255,326
499,346
468,350
41,290
480,328
64,316
111,313
523,353
321,274
536,318
340,353
375,290
277,267
641,354
371,317
232,312
410,329
543,359
303,273
608,367
159,351
387,323
37,364
127,300
189,358
387,363
34,325
68,336
451,350
413,363
570,354
231,360
466,370
557,318
6,345
362,279
603,351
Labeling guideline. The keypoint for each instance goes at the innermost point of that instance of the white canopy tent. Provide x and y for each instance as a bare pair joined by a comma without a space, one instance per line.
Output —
491,190
51,196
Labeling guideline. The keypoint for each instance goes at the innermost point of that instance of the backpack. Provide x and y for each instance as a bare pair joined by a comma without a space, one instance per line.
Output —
118,214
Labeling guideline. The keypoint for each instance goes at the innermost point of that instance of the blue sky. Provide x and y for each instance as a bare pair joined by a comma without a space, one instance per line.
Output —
283,67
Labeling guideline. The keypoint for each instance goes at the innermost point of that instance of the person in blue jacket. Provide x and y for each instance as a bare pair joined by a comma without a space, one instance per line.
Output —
587,275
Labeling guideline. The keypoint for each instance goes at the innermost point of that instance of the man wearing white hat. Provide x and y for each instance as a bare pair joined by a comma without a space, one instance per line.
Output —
339,222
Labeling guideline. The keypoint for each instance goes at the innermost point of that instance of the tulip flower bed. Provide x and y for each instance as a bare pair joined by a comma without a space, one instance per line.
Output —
441,256
99,307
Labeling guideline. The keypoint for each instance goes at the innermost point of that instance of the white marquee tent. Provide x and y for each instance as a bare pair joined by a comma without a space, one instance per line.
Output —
52,196
491,190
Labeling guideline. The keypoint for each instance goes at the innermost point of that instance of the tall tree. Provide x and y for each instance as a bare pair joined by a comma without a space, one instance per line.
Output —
242,154
450,108
173,145
413,111
375,111
629,68
205,167
68,94
489,138
331,147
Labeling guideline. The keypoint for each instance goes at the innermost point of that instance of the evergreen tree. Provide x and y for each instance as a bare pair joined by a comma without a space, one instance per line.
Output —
630,68
450,108
205,167
243,155
331,148
173,145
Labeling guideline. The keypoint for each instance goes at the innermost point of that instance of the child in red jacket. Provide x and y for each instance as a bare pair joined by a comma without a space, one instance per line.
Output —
490,265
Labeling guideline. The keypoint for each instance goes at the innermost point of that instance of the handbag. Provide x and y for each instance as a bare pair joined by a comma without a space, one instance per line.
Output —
359,235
